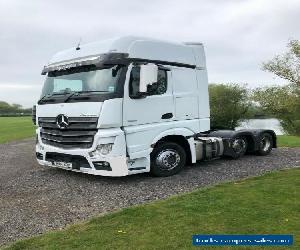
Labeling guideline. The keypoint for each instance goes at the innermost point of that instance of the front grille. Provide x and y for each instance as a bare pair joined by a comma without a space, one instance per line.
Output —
78,134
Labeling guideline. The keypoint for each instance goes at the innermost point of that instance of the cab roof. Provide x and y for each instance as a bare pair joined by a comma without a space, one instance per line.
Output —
137,47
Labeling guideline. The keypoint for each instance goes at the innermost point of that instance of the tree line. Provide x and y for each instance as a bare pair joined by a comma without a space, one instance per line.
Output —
7,109
232,103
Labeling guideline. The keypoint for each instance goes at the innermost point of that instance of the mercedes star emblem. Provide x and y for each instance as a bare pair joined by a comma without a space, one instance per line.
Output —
62,121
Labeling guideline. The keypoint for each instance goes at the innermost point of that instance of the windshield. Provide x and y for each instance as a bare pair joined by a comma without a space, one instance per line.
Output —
99,80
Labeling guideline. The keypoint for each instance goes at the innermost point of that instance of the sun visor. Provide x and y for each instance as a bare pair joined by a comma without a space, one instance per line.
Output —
109,58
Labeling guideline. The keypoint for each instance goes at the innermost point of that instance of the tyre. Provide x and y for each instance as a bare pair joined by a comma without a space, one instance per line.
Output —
239,147
265,144
167,159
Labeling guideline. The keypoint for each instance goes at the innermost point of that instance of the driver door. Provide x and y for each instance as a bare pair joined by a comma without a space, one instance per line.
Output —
155,107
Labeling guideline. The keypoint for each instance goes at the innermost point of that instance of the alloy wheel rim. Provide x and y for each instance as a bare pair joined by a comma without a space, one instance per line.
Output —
265,143
239,145
168,159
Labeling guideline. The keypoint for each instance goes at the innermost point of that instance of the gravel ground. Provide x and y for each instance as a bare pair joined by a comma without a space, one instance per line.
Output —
34,199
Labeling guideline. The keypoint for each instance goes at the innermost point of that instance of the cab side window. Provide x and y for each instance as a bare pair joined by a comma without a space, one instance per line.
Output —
158,88
134,81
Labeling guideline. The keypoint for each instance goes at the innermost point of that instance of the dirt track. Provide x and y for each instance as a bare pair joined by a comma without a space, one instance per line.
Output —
34,199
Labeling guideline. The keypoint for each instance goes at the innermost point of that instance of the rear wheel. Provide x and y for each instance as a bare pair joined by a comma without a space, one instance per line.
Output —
167,159
239,147
265,144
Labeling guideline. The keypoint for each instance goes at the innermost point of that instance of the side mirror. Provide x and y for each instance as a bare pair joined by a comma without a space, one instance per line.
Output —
148,76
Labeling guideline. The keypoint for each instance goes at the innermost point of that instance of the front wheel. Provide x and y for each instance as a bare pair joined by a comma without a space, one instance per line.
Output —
167,159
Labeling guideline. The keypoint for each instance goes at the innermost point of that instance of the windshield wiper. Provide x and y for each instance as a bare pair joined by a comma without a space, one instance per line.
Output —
46,98
70,95
43,99
79,96
92,91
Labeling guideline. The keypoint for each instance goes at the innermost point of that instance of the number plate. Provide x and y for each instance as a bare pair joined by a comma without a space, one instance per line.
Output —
59,164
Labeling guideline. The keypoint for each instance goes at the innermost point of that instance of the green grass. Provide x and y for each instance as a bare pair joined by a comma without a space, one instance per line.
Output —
15,128
288,141
268,204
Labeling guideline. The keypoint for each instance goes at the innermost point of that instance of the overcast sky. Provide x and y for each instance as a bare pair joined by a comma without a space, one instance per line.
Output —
238,34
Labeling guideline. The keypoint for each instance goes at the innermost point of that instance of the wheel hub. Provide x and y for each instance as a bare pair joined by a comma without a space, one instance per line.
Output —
168,159
238,145
265,144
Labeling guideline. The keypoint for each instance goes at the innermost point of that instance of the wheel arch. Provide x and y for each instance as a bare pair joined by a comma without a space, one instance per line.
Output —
273,134
254,136
180,136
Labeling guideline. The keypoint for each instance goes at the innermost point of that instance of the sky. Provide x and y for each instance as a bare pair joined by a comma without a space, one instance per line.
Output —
238,35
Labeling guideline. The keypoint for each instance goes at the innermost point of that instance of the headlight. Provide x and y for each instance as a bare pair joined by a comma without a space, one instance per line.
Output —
102,149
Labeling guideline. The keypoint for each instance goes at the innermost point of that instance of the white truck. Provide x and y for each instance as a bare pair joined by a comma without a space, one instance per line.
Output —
132,105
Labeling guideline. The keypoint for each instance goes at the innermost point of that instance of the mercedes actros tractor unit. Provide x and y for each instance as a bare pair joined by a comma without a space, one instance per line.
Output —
132,105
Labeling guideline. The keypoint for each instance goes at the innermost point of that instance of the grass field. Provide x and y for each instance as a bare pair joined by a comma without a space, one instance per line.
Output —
268,204
288,141
15,128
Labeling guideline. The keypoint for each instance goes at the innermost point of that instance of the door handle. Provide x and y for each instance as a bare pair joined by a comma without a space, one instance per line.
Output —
167,116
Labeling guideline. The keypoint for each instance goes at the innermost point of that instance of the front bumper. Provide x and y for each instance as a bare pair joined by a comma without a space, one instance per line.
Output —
117,164
117,159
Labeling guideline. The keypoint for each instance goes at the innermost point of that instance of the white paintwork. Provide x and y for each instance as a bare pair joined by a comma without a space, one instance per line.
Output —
135,125
111,114
146,110
117,158
140,138
137,47
92,109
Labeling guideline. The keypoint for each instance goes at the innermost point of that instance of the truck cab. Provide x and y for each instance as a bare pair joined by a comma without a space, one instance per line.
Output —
125,106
